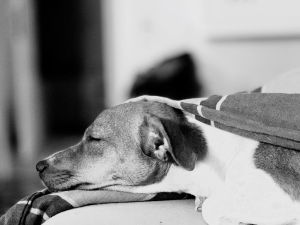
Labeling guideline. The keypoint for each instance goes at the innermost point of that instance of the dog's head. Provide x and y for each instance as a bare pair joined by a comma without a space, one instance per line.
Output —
128,145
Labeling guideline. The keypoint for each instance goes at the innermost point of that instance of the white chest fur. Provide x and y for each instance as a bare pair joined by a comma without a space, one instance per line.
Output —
238,191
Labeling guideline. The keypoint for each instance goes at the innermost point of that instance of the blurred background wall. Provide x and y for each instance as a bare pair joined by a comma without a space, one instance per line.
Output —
261,40
62,62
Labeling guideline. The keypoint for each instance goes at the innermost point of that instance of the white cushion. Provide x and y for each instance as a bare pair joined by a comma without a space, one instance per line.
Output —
175,212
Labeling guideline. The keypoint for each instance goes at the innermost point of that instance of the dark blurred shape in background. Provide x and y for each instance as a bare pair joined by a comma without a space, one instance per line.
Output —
52,80
174,78
69,36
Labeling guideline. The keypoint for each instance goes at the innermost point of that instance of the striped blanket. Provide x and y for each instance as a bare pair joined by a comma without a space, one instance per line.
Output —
42,205
272,118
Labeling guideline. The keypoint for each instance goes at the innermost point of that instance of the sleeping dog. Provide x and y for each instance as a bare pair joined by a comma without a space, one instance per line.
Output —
150,147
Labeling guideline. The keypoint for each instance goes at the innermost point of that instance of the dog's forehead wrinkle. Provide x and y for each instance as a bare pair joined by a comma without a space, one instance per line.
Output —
114,120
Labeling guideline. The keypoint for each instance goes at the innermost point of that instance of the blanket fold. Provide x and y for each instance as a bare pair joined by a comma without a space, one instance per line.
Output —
271,118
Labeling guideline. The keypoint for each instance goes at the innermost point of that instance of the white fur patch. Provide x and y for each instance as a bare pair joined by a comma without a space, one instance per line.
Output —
254,198
249,194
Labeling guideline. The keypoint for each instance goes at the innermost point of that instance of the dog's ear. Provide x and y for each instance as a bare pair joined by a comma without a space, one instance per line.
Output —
164,140
154,139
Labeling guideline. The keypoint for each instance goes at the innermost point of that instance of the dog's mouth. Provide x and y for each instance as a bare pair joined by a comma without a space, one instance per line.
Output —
84,187
68,186
68,182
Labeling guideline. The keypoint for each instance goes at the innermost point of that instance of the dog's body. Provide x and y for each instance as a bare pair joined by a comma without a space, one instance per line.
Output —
151,147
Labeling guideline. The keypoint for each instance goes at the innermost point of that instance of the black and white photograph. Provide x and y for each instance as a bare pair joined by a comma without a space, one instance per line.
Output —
150,112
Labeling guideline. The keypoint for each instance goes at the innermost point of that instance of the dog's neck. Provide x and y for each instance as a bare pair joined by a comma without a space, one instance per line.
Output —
211,172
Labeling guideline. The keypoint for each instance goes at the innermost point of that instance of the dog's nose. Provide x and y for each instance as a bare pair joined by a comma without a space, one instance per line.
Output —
41,166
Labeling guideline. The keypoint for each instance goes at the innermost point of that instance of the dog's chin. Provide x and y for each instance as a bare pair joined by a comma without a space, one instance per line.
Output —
65,186
59,185
79,186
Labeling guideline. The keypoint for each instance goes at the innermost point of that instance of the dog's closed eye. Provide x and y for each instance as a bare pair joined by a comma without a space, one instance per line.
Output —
92,138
